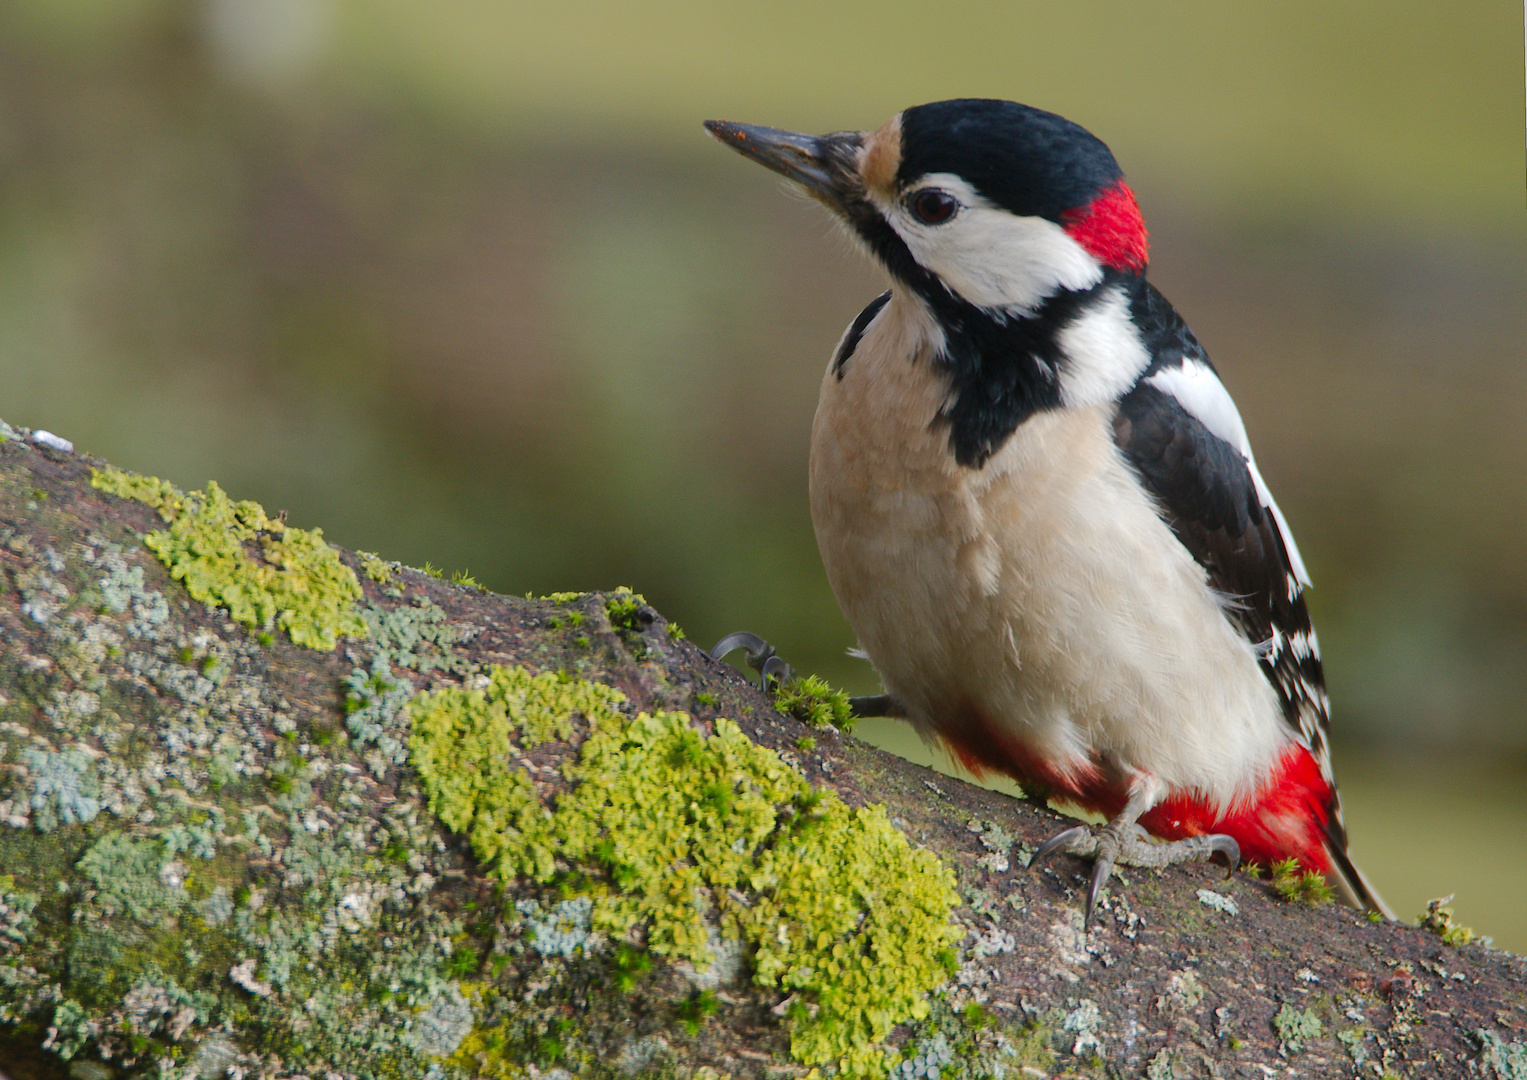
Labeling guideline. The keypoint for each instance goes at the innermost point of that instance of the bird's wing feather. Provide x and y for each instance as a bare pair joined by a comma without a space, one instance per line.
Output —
1180,430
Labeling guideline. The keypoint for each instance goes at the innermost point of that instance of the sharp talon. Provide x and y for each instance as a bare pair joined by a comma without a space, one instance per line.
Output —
761,657
742,639
1123,842
773,667
1102,870
1062,839
1220,844
1110,847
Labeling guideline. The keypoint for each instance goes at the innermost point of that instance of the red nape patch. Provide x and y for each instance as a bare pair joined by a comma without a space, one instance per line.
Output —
1286,818
1112,229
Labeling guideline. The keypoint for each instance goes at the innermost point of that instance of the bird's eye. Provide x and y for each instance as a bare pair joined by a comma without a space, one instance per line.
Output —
933,207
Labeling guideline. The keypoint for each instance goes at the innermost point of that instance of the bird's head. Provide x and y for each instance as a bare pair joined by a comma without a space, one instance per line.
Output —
992,203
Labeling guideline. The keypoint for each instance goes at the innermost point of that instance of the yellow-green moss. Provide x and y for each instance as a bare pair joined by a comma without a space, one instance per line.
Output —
1440,921
839,908
1301,886
811,700
622,606
297,584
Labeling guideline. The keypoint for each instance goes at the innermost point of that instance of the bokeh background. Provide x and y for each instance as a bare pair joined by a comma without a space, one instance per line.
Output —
463,282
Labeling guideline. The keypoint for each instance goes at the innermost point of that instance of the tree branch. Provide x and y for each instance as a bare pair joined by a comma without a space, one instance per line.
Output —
222,853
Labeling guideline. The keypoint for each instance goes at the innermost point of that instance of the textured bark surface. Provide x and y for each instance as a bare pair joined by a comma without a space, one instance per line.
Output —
209,866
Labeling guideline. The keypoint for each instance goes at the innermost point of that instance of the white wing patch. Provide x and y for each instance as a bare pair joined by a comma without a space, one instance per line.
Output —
1199,391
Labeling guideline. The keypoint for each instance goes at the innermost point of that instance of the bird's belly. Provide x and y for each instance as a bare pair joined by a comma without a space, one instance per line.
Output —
1035,614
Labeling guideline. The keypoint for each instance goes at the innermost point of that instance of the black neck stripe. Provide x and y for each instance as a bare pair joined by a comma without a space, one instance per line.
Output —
856,331
1002,369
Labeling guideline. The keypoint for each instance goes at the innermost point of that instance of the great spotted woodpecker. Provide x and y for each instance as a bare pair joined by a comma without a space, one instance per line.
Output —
1037,505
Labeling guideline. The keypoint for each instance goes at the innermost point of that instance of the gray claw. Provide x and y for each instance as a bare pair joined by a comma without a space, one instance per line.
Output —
1102,870
1220,844
761,657
1061,840
774,668
1124,841
742,639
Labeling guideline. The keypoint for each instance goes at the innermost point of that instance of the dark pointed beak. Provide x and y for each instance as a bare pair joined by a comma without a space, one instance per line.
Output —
825,165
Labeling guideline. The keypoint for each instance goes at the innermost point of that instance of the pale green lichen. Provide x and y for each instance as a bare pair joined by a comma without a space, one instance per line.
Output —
65,788
126,874
1500,1059
297,584
564,930
1085,1021
71,1029
414,636
372,700
1294,1026
839,909
123,590
971,1043
16,907
1352,1040
1163,1066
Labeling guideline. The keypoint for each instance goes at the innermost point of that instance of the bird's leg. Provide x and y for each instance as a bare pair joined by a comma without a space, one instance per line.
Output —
1122,841
876,705
763,659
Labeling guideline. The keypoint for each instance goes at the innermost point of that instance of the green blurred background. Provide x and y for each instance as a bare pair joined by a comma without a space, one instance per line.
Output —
465,282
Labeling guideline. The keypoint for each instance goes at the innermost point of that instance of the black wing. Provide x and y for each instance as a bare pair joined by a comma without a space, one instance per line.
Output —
1180,430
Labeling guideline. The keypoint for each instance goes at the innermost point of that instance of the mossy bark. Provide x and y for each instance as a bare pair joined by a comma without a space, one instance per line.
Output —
217,858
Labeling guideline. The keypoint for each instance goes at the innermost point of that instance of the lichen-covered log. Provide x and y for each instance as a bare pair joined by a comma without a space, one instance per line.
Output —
270,809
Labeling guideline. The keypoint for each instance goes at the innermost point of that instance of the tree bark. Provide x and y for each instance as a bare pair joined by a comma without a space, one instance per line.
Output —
218,857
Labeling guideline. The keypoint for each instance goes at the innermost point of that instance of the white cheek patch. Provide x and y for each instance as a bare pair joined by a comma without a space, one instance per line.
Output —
1198,390
992,258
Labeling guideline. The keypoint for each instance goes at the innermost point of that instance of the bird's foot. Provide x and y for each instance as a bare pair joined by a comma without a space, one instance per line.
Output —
761,657
1124,843
764,659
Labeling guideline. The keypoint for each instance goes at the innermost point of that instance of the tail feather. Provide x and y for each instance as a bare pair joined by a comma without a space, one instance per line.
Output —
1350,883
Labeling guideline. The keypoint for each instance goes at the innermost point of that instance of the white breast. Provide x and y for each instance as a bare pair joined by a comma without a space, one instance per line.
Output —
1044,588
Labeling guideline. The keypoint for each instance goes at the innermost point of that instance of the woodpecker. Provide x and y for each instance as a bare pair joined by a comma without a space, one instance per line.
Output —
1037,505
